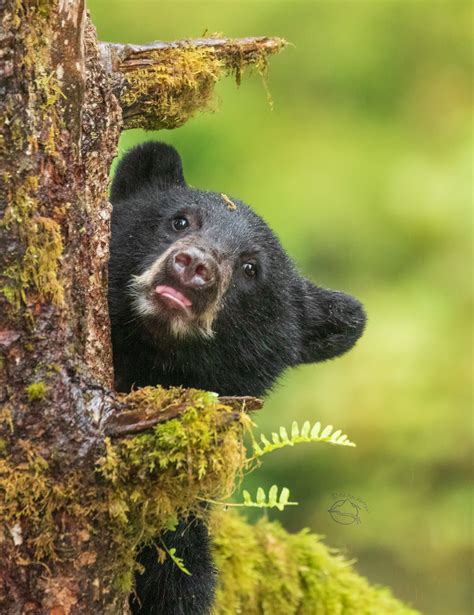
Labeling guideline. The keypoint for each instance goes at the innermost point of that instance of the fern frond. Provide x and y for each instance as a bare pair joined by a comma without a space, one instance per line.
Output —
178,561
175,558
305,434
273,500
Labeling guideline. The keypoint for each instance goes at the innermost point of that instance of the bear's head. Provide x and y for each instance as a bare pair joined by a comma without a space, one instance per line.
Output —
202,293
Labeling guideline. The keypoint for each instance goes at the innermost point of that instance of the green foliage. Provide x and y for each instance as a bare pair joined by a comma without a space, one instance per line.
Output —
266,571
178,561
273,500
307,434
145,482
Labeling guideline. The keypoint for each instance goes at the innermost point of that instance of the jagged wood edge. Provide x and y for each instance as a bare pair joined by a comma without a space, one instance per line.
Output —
122,62
121,422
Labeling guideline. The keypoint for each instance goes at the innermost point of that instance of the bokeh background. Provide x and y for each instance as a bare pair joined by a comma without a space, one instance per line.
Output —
364,170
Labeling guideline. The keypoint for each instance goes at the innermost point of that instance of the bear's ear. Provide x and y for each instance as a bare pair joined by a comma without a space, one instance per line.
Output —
153,163
332,323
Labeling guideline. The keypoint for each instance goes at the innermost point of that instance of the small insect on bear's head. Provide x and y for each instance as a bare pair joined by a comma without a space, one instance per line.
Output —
184,243
189,264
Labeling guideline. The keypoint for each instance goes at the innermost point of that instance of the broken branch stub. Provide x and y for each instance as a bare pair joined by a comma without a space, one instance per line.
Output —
162,85
143,409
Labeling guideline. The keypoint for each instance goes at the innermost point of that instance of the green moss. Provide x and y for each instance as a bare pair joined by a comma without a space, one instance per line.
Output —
143,483
32,274
38,270
36,391
179,82
264,570
173,88
158,475
28,490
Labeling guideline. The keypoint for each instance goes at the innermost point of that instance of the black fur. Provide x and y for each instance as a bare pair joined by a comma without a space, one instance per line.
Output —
168,590
263,324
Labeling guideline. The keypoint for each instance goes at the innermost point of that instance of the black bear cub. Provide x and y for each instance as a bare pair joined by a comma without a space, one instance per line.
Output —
202,294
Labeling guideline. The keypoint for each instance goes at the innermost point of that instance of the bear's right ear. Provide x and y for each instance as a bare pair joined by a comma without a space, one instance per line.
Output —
151,163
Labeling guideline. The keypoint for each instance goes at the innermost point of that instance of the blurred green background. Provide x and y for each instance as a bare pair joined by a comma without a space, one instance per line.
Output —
364,169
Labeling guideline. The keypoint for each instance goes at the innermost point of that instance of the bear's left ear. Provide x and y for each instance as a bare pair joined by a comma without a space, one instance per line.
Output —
151,163
332,323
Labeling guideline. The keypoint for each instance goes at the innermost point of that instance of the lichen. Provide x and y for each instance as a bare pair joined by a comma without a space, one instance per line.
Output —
265,570
176,83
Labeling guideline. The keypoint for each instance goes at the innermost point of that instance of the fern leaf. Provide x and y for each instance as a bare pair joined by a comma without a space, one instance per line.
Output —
272,501
273,496
315,430
305,434
326,431
284,435
305,429
178,561
284,497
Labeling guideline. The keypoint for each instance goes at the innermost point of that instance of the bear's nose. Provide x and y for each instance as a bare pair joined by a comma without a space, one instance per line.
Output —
193,267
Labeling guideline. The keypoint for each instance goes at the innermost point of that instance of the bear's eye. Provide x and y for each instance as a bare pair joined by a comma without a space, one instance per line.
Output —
180,223
250,269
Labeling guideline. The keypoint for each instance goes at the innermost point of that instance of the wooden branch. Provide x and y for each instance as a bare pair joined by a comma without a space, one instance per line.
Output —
163,84
127,417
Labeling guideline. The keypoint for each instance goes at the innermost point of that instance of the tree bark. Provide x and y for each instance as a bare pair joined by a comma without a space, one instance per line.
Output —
61,103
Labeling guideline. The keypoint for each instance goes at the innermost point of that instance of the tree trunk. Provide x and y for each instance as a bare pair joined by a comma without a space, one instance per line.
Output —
61,101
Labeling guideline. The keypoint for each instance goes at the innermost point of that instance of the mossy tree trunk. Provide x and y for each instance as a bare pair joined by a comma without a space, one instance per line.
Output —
61,100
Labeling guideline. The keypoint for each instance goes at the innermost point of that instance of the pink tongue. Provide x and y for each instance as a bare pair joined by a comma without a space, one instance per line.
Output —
174,295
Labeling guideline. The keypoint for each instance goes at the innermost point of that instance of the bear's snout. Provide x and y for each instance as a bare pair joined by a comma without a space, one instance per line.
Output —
193,268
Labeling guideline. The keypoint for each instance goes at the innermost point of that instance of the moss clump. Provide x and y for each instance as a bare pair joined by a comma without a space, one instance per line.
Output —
36,391
29,491
266,571
38,269
142,483
171,89
175,83
153,477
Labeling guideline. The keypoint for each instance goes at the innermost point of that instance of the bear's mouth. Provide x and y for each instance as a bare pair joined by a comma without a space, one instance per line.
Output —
167,304
172,298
